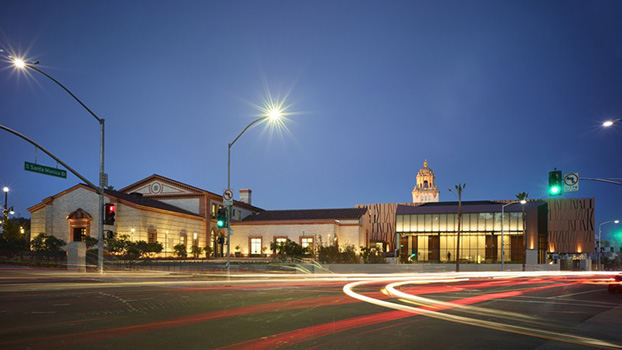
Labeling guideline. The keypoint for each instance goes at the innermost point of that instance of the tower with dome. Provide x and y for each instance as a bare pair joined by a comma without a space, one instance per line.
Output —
425,190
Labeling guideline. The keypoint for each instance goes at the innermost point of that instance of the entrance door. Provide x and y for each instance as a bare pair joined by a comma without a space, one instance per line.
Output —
78,234
434,248
491,248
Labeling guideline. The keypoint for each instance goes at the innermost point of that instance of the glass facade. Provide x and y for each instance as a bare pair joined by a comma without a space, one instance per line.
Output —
432,237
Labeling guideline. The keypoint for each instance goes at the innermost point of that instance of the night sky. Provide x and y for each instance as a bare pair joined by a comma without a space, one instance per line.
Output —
494,94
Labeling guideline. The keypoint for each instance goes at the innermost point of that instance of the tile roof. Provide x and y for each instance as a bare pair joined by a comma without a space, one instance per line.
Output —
307,214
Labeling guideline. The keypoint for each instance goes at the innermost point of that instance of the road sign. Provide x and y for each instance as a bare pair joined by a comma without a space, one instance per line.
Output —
42,169
227,197
571,182
103,180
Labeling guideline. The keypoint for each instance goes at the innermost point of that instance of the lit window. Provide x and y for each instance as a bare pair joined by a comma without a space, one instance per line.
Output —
256,245
306,242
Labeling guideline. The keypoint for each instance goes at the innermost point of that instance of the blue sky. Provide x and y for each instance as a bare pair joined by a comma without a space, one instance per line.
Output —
493,93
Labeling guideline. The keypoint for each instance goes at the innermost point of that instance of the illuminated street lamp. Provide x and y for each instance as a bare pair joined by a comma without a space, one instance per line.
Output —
5,209
523,202
273,114
600,226
611,122
21,64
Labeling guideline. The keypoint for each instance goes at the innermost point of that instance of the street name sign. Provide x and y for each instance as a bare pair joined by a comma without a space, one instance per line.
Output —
46,170
571,182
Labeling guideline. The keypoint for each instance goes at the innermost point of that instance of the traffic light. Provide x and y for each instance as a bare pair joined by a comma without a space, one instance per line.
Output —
109,213
555,183
221,218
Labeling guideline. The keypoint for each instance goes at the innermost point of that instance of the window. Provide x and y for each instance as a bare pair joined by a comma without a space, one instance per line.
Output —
152,236
306,242
255,243
213,211
79,234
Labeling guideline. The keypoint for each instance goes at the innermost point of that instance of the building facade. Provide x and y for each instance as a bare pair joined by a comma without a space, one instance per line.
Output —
72,215
429,232
309,228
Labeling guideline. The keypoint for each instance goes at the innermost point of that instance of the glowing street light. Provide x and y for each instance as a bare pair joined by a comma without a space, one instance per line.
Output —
611,122
23,65
272,114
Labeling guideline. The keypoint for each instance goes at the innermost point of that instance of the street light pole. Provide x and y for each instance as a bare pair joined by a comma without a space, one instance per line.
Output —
273,114
600,228
503,230
102,175
5,210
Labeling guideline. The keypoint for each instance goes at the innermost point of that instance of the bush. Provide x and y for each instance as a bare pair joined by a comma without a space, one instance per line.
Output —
196,251
45,243
180,250
372,256
333,255
289,250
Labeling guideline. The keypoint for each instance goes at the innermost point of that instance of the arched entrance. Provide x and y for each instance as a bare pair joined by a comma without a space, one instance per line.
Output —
79,225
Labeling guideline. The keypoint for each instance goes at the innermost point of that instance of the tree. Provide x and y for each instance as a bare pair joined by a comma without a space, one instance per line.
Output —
459,188
208,251
196,251
523,197
180,250
372,256
14,235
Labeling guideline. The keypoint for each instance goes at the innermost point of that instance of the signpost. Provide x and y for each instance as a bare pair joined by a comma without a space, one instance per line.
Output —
571,182
227,197
46,170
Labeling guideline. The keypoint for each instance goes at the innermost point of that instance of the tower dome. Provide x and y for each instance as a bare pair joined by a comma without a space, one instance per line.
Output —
425,189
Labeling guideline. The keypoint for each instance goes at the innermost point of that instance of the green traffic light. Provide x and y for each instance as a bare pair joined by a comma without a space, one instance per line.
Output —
220,223
554,190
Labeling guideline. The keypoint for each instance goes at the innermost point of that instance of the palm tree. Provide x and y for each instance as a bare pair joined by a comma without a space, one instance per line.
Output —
459,188
523,197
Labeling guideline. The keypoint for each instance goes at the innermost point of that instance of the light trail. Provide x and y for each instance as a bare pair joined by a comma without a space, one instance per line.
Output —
433,308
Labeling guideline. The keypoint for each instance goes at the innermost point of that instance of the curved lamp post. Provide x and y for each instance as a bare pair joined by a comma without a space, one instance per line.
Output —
611,122
21,64
523,202
600,227
272,115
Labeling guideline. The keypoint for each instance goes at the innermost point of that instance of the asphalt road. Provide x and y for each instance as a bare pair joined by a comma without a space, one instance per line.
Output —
43,309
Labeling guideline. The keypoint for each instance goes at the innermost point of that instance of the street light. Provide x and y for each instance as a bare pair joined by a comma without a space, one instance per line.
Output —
611,122
599,238
273,115
5,209
21,64
522,202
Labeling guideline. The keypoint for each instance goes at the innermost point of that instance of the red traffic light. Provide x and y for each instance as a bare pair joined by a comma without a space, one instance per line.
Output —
111,208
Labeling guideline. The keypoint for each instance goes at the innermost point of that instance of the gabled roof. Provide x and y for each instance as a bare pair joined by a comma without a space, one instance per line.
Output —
129,188
135,199
307,214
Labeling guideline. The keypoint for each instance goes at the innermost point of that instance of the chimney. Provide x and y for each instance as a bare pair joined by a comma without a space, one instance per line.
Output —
245,196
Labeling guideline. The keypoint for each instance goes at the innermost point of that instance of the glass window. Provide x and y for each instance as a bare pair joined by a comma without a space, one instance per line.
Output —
474,222
497,222
256,245
306,242
435,222
514,221
451,222
413,223
213,211
464,222
442,222
428,222
399,223
420,223
407,223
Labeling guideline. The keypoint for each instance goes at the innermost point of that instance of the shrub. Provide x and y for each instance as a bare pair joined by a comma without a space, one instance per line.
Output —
372,256
180,250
